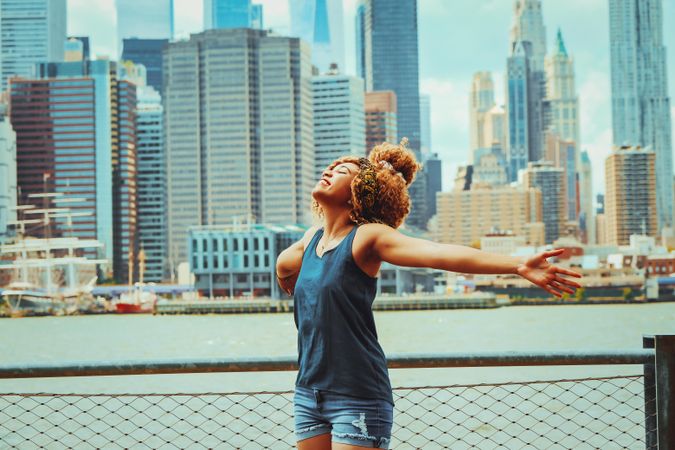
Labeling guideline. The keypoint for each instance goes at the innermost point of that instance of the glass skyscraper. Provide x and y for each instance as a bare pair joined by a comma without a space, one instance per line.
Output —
32,32
339,120
640,102
319,22
81,142
227,14
144,19
237,151
149,53
395,67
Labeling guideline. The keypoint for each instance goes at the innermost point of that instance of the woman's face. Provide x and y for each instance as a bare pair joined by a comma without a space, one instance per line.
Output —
334,187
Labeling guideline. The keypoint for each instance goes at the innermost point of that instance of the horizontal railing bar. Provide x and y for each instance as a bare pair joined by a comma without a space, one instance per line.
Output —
289,363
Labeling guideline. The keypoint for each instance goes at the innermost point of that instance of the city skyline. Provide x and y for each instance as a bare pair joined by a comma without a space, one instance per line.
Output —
448,79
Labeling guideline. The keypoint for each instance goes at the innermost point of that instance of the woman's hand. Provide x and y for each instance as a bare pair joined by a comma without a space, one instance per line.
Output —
287,284
548,276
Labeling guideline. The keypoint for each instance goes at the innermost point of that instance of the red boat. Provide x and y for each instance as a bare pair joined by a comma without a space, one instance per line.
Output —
132,308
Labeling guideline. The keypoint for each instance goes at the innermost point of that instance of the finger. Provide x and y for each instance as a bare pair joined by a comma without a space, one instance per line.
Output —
562,287
555,252
568,272
567,281
550,290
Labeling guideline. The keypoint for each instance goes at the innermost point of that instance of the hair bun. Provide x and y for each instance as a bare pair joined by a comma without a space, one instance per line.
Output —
400,157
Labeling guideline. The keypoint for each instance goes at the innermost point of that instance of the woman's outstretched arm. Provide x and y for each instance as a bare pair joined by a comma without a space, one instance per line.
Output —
396,248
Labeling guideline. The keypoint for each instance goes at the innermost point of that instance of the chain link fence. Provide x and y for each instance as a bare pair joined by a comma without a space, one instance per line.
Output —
603,413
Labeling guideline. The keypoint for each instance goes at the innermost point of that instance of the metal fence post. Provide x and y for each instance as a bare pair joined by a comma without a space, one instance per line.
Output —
650,397
664,347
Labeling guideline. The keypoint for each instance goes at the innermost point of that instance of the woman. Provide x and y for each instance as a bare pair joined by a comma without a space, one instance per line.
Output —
343,398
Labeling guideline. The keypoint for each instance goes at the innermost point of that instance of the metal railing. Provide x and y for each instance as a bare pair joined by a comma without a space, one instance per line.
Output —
623,411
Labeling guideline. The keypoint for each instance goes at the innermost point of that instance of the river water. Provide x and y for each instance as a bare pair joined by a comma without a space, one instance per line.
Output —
591,414
131,337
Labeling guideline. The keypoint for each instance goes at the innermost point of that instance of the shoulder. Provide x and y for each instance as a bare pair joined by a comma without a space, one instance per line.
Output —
368,233
309,234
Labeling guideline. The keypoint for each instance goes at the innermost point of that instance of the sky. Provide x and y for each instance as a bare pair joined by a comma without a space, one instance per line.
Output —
456,39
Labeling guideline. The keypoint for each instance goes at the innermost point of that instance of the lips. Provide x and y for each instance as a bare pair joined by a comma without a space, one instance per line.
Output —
325,181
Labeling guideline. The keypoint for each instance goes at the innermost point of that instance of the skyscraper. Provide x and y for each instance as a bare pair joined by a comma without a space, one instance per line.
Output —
151,183
86,151
563,154
640,103
149,53
482,99
550,181
563,103
31,32
339,119
630,197
360,38
528,42
434,177
257,20
586,212
380,118
7,175
237,150
528,26
319,22
227,14
518,99
144,19
396,68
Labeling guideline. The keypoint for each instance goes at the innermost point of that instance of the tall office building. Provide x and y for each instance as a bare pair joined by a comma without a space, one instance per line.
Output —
239,147
563,103
526,86
380,118
86,48
339,119
143,19
640,103
360,38
151,183
80,142
433,171
563,154
586,213
481,100
465,216
630,197
319,22
257,20
550,181
149,53
528,26
396,68
525,109
31,32
7,175
224,14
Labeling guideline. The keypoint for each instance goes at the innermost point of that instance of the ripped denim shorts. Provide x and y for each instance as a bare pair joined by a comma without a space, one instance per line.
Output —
350,420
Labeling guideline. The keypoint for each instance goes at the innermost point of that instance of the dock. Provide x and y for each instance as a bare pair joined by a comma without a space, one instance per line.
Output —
476,300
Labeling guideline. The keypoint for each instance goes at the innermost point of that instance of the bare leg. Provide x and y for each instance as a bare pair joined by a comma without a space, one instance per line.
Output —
320,442
338,446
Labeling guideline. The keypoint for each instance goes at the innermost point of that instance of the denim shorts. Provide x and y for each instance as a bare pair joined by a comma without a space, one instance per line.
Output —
350,420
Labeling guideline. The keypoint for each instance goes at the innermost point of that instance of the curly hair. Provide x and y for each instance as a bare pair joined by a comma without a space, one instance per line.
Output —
380,189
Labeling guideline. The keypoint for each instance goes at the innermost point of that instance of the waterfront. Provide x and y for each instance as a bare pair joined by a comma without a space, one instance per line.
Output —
125,337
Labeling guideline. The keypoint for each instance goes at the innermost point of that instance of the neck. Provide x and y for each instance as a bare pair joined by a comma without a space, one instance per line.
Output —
336,221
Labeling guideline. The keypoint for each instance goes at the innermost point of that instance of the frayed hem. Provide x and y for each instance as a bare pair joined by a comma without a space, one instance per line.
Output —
312,428
360,437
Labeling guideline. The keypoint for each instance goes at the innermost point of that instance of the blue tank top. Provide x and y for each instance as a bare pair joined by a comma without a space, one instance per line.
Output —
338,349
